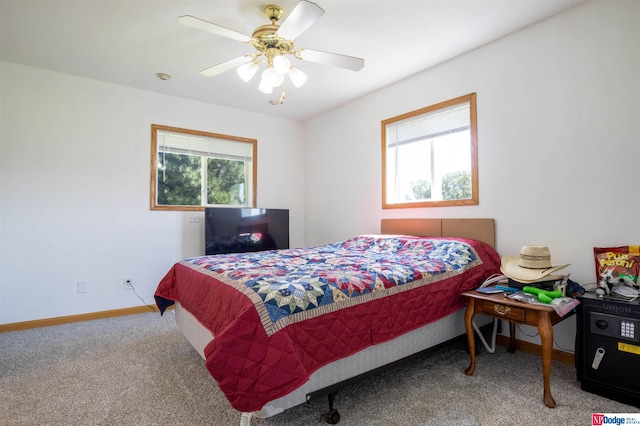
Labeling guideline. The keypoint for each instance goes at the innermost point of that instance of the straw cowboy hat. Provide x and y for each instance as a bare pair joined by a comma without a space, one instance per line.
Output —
533,264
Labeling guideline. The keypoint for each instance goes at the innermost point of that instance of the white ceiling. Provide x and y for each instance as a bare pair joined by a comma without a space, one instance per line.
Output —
128,41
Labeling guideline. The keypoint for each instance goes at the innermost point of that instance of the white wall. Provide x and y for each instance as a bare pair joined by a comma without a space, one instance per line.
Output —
558,141
74,189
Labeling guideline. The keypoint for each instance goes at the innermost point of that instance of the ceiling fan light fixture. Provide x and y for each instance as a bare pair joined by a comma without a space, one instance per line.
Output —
265,87
272,77
247,71
298,78
279,80
281,64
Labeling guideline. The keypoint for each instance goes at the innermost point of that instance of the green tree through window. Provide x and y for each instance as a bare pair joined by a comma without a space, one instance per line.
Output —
226,181
421,190
179,180
456,185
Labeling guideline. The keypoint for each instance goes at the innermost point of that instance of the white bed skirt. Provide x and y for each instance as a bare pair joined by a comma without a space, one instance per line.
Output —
343,369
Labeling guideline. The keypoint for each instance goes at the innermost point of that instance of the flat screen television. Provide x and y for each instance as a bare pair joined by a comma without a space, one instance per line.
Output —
243,229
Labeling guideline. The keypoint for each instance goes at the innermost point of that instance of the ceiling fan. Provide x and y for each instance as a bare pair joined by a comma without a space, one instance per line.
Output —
273,43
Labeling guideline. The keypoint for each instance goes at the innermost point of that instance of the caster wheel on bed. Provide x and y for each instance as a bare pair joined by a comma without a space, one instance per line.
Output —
332,417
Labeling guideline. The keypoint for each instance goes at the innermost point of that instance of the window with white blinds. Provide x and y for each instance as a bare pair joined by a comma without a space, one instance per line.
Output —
430,125
430,156
205,146
191,169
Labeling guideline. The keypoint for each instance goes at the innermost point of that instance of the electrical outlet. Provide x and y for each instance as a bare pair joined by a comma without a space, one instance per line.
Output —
126,284
81,287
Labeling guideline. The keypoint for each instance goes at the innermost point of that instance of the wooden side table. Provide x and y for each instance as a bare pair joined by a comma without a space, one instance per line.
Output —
500,306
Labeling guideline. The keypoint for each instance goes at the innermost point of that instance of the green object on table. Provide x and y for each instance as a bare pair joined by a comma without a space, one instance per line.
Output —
545,296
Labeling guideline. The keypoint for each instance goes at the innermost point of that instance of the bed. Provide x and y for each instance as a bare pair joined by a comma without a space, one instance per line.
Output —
277,328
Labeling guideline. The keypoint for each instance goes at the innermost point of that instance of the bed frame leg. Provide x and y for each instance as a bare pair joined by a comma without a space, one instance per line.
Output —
332,417
245,419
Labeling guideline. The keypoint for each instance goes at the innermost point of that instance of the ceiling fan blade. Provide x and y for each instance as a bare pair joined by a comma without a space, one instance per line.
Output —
192,21
333,59
301,17
226,66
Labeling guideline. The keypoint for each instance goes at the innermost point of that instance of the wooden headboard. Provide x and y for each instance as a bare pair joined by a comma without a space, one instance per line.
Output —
477,229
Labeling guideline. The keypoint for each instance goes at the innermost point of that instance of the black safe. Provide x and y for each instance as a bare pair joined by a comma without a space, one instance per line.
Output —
608,347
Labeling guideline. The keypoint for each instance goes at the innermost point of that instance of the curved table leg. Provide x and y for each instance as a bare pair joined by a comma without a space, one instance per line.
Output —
468,323
546,338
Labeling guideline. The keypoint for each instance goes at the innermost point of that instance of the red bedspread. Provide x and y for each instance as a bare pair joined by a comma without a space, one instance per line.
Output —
278,316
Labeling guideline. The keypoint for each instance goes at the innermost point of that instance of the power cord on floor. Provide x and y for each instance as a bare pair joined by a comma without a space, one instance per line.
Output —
555,343
138,296
491,349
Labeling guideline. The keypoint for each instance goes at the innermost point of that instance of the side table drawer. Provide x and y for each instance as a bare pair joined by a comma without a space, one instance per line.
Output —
503,311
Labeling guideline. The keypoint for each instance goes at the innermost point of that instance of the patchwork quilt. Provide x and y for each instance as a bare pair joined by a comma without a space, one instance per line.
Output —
279,315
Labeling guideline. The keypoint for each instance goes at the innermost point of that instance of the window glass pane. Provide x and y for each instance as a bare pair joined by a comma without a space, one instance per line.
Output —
226,182
179,179
453,175
414,182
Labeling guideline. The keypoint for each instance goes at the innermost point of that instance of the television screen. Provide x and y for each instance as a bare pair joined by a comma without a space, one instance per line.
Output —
242,229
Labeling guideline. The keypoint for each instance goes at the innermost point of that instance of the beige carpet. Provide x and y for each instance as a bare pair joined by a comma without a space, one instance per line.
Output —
138,370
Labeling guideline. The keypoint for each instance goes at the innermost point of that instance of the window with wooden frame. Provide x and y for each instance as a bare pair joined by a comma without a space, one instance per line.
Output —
191,169
430,156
